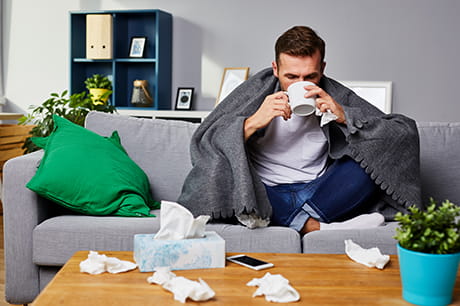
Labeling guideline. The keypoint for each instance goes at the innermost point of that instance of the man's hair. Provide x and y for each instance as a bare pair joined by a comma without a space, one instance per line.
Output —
299,41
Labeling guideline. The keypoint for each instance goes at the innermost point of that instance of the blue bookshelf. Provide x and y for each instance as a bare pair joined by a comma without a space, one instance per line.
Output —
155,66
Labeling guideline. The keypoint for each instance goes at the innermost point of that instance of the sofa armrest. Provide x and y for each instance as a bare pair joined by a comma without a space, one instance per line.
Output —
23,209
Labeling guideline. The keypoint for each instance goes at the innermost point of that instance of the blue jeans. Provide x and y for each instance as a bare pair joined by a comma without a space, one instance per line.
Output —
341,189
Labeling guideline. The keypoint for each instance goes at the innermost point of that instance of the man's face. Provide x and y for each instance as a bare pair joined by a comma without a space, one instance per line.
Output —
292,69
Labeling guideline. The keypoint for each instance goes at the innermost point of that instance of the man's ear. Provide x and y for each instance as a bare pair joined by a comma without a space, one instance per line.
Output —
275,69
323,67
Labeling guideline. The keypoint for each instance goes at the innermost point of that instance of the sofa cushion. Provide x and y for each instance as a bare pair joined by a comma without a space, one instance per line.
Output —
56,239
333,241
159,147
272,239
90,174
439,160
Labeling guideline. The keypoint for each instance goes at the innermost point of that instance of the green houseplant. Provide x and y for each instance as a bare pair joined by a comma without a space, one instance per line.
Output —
429,252
99,87
74,108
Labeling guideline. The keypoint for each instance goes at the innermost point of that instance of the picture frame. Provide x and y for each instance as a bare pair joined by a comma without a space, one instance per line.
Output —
137,46
231,79
184,98
378,93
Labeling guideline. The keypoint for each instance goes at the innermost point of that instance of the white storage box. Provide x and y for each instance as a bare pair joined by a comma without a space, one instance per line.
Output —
186,254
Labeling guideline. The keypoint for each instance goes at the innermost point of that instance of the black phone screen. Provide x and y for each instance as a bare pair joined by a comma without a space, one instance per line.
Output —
250,261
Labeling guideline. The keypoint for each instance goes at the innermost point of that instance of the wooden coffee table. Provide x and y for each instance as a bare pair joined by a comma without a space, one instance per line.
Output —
319,278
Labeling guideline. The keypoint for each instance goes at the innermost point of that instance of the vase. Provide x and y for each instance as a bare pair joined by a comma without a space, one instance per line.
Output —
141,96
427,279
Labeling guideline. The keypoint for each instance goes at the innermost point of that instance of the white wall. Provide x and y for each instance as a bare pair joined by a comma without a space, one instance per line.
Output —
413,43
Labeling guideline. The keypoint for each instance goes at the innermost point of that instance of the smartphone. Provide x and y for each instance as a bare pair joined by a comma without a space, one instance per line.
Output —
250,262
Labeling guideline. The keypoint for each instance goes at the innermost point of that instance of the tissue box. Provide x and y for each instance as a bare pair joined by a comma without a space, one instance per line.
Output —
186,254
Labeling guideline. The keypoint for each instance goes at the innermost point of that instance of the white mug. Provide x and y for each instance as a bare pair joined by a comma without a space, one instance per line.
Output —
300,105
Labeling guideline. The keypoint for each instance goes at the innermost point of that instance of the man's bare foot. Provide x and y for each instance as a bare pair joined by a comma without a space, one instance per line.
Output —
310,226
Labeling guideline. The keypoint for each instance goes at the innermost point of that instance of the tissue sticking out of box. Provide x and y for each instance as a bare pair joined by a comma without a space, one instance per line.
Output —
177,222
368,257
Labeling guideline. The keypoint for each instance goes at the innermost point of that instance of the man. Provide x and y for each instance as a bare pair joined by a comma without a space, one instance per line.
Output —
254,159
299,57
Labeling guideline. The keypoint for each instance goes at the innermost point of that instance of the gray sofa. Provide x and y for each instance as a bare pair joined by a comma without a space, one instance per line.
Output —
40,237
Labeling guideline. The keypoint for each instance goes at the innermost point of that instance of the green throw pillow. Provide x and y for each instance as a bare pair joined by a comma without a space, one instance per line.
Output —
90,174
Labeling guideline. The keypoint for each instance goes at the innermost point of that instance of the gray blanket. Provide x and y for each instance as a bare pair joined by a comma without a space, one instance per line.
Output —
223,183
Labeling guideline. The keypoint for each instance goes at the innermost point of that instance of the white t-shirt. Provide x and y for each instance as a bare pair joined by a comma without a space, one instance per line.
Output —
291,151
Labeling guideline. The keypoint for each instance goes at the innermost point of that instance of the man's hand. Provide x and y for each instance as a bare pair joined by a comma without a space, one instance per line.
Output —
274,105
325,102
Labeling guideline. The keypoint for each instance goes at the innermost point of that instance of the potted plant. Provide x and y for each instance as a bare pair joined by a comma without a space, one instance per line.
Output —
429,252
99,87
74,108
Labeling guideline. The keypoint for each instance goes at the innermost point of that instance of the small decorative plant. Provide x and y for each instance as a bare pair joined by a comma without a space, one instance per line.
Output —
74,108
99,87
98,81
435,230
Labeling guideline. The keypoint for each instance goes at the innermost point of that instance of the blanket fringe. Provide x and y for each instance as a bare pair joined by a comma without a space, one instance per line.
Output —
379,181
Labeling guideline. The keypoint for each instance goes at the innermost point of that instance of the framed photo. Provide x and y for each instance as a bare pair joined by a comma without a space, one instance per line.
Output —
184,98
378,93
137,47
231,79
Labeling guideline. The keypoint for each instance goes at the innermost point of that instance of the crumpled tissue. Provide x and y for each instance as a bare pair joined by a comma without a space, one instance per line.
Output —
369,257
97,264
177,222
181,287
275,287
326,117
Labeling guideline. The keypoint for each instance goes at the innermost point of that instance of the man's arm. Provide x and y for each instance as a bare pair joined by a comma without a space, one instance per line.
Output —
274,105
277,104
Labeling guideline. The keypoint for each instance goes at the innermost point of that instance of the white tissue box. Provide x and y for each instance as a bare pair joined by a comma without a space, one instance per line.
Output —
185,254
